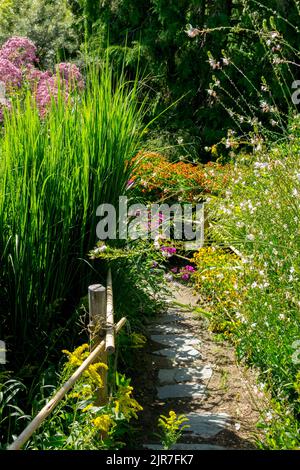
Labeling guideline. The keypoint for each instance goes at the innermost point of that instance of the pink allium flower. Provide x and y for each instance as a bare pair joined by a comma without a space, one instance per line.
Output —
47,90
70,73
10,75
20,51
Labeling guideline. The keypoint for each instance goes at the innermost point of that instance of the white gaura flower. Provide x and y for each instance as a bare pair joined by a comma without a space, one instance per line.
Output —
250,237
211,92
269,416
100,249
192,32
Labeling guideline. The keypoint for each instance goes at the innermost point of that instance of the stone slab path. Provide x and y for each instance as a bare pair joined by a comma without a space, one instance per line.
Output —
192,375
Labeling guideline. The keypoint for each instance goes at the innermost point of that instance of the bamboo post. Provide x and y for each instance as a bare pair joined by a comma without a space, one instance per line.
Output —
49,407
110,331
97,312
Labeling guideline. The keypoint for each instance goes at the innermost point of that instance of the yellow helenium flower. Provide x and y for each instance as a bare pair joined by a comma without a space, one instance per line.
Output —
103,422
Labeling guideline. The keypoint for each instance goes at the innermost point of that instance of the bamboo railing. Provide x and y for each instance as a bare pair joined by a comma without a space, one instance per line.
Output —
101,326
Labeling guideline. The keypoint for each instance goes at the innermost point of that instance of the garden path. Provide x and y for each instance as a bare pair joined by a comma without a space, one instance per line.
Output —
186,370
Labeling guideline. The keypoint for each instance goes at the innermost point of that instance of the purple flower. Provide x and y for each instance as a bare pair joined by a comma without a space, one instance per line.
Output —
10,75
20,51
185,277
154,264
174,270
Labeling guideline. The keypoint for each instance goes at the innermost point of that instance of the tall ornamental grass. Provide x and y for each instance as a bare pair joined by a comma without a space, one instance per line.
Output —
54,172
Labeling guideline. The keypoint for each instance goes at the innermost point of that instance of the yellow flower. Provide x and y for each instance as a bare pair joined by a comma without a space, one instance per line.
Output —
87,408
94,375
138,340
126,404
173,423
117,406
77,357
214,150
103,422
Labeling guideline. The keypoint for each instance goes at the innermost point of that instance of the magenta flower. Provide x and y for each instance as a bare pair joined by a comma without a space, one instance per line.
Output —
189,268
168,249
10,75
130,183
174,270
161,217
185,277
20,51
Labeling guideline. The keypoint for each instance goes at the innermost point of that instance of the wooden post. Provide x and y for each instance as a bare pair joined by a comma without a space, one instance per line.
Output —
97,311
110,329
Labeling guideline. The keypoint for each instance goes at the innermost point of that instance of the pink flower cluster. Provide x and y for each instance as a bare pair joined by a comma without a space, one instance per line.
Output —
71,74
33,75
18,57
10,75
46,91
19,51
